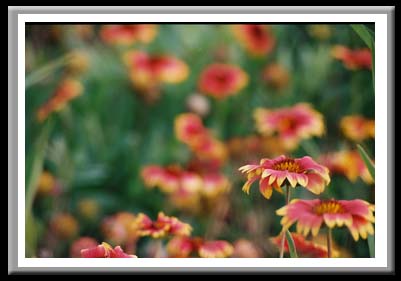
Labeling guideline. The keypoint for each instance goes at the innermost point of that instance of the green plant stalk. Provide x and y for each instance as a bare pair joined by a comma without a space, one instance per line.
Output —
329,242
287,200
291,245
367,160
364,34
371,245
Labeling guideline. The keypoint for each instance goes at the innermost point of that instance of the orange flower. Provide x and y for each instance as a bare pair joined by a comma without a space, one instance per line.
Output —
274,173
257,39
357,128
128,34
120,228
292,124
88,208
78,62
348,163
276,75
356,214
67,90
80,244
47,183
320,31
162,227
183,247
222,80
246,249
104,250
353,59
64,226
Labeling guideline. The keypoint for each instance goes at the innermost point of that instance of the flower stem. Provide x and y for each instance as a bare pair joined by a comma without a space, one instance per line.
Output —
287,200
329,242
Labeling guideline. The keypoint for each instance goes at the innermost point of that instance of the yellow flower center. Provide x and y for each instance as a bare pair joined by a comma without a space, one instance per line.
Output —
328,207
288,165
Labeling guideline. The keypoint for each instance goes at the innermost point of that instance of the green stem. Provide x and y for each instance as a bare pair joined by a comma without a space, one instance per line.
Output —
329,243
287,200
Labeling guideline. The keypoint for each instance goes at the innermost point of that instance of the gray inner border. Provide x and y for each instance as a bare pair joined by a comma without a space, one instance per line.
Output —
13,12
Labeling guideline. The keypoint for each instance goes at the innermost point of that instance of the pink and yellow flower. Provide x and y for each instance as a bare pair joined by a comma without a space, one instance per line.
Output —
183,247
353,59
257,39
356,215
222,80
127,34
348,163
246,249
276,75
274,173
357,127
104,250
292,124
120,228
67,90
80,244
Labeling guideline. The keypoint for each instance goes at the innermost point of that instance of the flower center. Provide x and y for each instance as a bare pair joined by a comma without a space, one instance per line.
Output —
328,207
288,165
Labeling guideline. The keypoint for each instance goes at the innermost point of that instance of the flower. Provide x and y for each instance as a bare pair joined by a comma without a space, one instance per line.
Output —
305,248
120,228
80,244
276,75
163,226
320,31
348,163
104,250
353,59
88,208
222,80
257,39
47,183
128,34
78,62
182,247
198,104
64,226
274,173
357,127
292,124
356,214
246,249
67,90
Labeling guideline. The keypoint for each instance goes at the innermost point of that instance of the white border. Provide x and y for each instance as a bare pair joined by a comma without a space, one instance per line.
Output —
380,260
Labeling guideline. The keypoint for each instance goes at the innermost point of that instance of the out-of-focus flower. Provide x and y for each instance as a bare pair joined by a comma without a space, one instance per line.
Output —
353,59
84,31
357,128
148,72
274,173
88,208
80,244
47,183
78,62
67,90
292,124
64,226
257,39
198,104
305,248
276,75
356,214
337,251
246,249
320,31
127,34
104,250
183,247
163,226
222,80
348,163
120,228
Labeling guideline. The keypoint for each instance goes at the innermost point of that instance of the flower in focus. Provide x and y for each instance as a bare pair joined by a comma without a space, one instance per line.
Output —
357,128
348,163
222,80
183,247
356,214
67,90
257,39
64,226
104,250
163,226
280,171
320,31
292,124
127,34
80,244
353,59
276,75
246,249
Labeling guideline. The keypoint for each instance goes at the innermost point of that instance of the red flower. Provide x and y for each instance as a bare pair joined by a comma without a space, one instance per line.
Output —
274,173
255,38
128,34
222,80
353,59
183,247
104,250
276,75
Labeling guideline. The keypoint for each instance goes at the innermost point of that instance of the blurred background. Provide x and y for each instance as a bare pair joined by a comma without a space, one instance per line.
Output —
102,104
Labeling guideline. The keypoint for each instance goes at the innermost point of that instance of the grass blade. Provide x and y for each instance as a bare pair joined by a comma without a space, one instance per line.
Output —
366,159
371,245
291,245
364,33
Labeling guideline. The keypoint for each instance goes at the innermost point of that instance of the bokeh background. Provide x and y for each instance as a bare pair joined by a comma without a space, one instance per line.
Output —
84,160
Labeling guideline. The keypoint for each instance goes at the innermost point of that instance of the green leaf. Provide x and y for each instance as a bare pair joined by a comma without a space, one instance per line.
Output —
371,245
291,245
366,159
365,34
